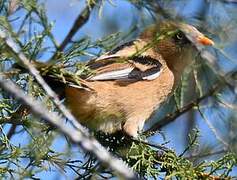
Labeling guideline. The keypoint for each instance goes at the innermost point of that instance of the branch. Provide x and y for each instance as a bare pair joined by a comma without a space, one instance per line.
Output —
14,49
208,176
78,133
208,154
11,131
230,1
87,143
173,116
212,128
158,9
78,23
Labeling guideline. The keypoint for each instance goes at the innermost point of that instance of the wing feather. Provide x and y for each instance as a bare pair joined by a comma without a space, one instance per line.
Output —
120,67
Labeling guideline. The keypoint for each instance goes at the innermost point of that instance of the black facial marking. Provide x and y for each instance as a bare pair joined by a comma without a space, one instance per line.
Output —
180,38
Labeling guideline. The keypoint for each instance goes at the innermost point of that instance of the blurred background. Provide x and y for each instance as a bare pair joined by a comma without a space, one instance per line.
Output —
122,20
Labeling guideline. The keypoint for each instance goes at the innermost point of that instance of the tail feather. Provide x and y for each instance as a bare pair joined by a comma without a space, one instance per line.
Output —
55,83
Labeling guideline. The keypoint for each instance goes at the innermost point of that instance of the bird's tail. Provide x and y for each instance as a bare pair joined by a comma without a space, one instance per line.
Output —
56,77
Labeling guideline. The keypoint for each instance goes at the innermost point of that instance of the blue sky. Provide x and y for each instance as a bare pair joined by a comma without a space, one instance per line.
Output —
63,14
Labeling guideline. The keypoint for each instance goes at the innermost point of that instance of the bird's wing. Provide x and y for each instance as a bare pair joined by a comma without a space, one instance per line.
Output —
122,66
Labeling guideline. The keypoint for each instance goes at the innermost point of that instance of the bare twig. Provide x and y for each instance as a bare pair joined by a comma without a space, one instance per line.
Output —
89,144
230,1
14,49
78,133
11,131
207,154
15,120
173,116
157,146
78,23
212,128
157,8
212,177
10,120
193,141
226,79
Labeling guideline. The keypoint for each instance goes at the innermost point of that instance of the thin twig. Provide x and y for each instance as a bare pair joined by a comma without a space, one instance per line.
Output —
161,147
15,120
10,120
87,143
14,49
78,23
212,128
11,131
191,143
78,133
207,154
212,177
173,116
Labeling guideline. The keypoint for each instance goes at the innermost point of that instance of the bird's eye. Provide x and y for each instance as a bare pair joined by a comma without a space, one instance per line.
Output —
180,36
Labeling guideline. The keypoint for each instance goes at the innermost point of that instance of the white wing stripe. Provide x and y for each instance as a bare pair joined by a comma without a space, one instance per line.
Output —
153,76
119,74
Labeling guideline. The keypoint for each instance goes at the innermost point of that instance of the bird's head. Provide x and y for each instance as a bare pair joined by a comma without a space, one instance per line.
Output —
178,43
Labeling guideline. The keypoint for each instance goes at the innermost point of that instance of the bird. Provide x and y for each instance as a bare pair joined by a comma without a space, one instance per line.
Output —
130,82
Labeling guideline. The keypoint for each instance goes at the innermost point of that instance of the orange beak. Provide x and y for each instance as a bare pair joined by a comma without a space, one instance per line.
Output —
205,41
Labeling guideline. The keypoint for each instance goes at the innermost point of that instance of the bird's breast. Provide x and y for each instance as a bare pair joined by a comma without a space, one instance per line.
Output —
114,102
